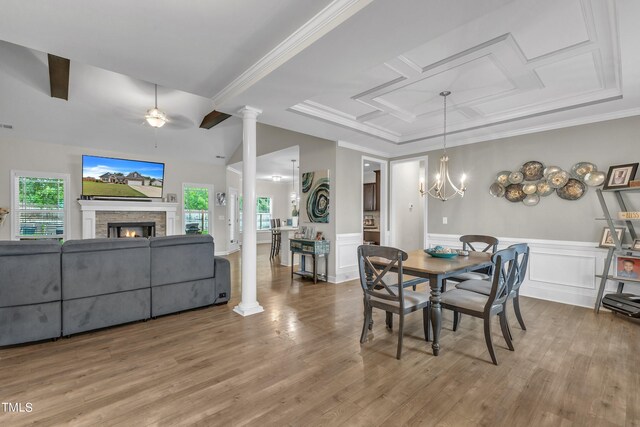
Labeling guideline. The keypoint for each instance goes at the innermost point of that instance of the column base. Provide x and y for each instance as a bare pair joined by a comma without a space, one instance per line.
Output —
248,311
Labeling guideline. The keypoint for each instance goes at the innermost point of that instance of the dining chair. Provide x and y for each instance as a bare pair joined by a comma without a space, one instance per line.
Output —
485,306
484,287
386,292
476,243
276,237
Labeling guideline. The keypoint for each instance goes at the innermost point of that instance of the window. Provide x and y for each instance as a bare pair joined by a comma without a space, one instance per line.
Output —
263,212
197,202
39,204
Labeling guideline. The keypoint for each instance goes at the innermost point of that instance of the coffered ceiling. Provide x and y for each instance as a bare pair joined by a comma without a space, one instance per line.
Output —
366,73
566,58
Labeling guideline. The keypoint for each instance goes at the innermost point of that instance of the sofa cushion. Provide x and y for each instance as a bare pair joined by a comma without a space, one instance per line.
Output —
31,322
102,266
29,272
176,259
100,311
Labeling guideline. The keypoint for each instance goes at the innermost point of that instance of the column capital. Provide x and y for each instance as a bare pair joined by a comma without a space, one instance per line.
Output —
248,111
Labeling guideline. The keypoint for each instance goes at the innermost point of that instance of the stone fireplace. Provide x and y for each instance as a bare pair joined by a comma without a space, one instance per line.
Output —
97,215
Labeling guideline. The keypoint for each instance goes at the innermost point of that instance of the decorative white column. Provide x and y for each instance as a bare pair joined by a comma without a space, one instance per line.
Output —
249,304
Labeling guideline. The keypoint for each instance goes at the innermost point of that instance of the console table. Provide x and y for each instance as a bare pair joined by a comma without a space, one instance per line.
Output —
314,248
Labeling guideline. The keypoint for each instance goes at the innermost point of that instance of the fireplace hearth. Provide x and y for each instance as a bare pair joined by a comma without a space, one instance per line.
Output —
116,230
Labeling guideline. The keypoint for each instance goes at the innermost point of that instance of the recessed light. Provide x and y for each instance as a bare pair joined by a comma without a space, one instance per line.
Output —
367,164
276,178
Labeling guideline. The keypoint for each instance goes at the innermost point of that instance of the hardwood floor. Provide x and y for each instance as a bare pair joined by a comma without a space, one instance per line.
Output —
300,363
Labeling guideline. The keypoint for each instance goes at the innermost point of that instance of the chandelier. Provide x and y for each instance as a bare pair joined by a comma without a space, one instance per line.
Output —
440,189
155,117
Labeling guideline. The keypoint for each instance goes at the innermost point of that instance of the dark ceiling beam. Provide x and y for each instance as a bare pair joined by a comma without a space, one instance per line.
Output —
59,77
213,118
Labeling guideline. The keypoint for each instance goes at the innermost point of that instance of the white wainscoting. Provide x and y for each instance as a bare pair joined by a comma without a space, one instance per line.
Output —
561,271
346,257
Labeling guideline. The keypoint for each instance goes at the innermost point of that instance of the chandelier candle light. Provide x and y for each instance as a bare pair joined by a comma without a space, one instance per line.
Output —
439,188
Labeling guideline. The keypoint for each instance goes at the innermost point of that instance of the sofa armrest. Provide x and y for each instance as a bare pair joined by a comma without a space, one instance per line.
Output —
222,279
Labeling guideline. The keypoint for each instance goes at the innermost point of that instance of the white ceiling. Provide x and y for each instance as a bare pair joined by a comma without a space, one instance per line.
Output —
364,72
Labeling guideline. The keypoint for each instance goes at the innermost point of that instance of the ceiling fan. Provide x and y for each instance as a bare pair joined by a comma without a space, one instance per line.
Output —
156,118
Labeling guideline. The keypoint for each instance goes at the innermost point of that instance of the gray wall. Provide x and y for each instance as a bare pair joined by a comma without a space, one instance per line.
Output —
605,144
349,191
47,157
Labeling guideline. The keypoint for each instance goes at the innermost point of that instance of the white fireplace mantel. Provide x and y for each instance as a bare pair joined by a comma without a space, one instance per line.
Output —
90,207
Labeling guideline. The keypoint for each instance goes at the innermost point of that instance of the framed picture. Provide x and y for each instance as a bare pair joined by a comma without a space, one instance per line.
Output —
636,245
619,176
319,235
172,198
606,241
627,267
221,199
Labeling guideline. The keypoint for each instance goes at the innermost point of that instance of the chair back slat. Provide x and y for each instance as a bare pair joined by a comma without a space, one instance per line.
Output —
522,261
504,276
372,277
469,242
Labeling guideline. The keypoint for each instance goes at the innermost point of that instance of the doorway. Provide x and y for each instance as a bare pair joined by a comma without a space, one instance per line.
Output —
374,201
408,208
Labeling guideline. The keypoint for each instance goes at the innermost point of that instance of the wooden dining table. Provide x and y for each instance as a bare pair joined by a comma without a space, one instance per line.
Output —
437,270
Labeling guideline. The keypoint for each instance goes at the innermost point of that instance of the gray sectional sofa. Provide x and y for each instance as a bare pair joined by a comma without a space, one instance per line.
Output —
29,291
48,290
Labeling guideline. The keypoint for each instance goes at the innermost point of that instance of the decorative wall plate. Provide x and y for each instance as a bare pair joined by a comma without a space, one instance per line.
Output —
516,177
531,200
580,169
496,190
503,178
558,179
544,189
529,187
514,193
573,190
532,170
595,178
551,169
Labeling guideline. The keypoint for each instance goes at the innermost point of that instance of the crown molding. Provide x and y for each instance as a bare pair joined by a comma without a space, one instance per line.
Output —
367,150
408,150
326,20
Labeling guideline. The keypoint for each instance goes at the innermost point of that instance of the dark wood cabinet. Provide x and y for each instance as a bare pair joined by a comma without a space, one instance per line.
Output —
369,195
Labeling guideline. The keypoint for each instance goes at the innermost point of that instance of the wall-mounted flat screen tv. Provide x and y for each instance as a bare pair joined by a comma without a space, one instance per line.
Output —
110,177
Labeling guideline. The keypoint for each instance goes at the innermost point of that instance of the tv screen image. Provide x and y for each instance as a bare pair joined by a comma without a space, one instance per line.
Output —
110,177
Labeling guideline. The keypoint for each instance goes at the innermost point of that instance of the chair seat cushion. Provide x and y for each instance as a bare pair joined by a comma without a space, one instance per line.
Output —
471,275
411,298
478,286
465,299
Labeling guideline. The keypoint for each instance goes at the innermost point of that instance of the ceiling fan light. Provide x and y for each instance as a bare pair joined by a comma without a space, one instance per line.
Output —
156,118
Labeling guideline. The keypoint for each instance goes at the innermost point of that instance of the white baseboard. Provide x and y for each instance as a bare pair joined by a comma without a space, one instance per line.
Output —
560,271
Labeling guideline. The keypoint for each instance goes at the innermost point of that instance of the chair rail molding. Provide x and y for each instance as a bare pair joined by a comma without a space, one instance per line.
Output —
559,270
